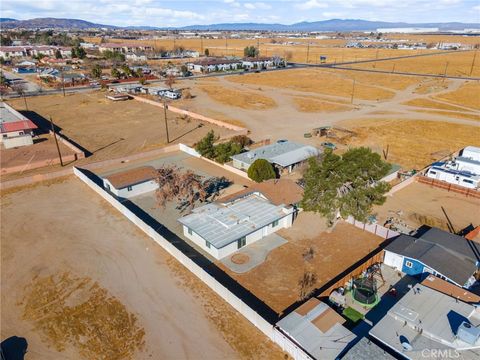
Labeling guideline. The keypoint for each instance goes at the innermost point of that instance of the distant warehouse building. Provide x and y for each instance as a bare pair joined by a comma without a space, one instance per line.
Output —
16,129
285,155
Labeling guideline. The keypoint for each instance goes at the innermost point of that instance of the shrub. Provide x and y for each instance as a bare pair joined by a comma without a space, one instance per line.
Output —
261,170
205,146
224,151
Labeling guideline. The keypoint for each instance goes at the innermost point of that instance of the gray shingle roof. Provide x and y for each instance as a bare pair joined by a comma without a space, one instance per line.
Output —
449,254
283,153
222,224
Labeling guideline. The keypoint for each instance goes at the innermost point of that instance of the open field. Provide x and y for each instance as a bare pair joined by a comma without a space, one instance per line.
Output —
113,129
455,64
294,48
421,139
276,280
321,81
453,114
431,104
467,95
107,267
312,104
420,204
241,99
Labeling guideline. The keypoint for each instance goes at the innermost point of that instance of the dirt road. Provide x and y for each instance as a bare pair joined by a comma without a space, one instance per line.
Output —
65,228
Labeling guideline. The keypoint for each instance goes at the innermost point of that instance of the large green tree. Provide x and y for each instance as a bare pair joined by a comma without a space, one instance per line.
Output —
347,184
261,170
251,51
205,146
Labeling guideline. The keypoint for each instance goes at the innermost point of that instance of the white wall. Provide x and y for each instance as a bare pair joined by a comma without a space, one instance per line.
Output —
137,189
252,316
17,141
393,260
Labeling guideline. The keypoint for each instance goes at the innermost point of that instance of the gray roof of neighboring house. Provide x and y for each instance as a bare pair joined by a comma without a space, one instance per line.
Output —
365,349
449,254
427,319
222,224
319,331
284,153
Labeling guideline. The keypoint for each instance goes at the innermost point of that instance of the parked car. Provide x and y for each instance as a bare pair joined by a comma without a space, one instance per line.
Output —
329,145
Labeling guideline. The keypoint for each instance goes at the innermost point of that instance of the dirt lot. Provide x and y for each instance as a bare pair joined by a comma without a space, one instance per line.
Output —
276,280
420,204
104,276
43,149
113,129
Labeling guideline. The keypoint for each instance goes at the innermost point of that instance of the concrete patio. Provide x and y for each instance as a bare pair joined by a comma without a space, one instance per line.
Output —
253,255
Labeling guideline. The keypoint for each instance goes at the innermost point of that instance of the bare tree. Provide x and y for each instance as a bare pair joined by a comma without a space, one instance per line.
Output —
186,187
20,88
170,80
306,284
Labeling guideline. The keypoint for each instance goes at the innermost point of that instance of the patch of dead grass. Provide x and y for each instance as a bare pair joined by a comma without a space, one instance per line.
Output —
467,95
452,114
426,103
76,311
309,104
412,142
318,81
242,99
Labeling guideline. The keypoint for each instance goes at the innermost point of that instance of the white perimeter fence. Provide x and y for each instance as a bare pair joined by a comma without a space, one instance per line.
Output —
376,229
256,319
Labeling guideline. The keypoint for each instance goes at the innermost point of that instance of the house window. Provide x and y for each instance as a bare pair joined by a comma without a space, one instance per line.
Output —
468,181
408,264
207,244
129,188
433,172
241,242
20,133
190,232
275,223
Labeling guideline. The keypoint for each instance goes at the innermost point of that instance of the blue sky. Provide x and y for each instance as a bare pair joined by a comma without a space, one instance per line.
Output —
180,12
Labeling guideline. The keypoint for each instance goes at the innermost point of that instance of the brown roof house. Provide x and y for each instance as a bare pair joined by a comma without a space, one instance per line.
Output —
317,329
132,182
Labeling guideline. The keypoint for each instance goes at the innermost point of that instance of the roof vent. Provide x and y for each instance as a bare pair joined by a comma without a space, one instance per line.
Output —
468,333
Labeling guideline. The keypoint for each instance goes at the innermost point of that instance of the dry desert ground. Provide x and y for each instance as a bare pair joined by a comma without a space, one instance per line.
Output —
72,268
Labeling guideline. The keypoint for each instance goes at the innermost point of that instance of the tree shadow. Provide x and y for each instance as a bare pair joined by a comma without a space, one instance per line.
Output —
14,348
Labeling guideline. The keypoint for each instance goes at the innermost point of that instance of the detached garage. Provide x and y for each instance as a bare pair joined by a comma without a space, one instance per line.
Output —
133,182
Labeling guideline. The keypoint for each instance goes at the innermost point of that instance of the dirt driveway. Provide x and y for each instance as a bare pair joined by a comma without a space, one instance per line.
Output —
65,228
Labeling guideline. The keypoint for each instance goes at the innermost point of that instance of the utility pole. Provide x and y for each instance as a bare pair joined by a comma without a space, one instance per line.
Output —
376,55
473,62
56,141
201,44
258,48
165,113
353,91
226,45
308,50
63,83
393,69
445,72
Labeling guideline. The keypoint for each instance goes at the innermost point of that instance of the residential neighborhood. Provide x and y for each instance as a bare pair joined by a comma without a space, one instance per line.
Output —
239,180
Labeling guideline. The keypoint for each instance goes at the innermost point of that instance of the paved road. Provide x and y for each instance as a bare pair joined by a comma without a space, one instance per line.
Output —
35,90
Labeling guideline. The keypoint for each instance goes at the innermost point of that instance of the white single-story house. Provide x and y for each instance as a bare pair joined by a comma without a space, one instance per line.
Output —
132,182
221,228
123,48
212,65
285,155
433,251
258,63
135,56
318,329
456,177
16,129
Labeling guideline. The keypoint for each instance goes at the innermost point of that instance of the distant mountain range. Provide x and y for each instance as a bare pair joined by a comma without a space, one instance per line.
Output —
326,25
